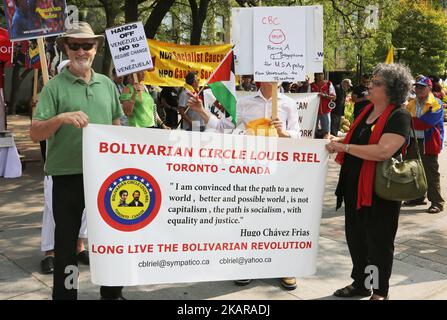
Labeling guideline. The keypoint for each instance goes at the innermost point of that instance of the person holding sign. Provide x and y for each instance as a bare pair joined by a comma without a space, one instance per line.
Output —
138,104
371,222
253,109
69,102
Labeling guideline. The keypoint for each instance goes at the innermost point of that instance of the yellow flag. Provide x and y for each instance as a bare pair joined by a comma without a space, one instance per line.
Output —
390,56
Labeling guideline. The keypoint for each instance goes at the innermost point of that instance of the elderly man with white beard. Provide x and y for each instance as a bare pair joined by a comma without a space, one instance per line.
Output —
71,100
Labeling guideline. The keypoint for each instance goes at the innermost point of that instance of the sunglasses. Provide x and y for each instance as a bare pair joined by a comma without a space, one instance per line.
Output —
85,46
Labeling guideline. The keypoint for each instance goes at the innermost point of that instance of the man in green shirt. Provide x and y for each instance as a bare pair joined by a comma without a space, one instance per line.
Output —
71,100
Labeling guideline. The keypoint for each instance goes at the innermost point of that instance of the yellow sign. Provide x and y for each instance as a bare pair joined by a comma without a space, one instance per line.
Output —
172,62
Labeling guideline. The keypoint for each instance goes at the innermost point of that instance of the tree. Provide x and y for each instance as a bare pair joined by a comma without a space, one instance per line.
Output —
158,12
198,14
422,31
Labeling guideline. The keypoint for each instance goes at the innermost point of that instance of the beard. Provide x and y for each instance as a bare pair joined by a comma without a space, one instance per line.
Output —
81,64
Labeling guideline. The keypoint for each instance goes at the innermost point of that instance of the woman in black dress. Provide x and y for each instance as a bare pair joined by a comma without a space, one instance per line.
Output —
371,222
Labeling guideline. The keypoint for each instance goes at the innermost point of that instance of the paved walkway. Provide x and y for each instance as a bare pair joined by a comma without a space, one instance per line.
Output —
420,268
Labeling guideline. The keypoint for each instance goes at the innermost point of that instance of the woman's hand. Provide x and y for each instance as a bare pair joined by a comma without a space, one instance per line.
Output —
138,87
335,147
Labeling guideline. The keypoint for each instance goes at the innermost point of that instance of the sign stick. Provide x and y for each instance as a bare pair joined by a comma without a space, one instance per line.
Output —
35,89
274,100
43,60
36,82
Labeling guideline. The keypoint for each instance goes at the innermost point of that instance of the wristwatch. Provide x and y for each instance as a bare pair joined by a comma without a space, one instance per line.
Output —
347,146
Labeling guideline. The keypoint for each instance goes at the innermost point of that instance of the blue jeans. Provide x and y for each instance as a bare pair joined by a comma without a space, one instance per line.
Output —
324,123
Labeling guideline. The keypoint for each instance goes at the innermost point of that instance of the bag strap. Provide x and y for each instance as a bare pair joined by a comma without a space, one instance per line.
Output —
416,140
412,129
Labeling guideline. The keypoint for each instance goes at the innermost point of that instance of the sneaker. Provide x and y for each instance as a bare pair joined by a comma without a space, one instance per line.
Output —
242,283
47,265
289,283
434,209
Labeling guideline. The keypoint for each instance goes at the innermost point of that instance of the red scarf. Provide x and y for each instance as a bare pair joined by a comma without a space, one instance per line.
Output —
367,173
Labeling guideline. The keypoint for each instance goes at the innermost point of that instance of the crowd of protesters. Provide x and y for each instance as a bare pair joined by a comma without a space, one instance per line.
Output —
387,104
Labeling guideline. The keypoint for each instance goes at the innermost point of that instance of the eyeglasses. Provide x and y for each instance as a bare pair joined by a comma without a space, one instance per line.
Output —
85,46
376,83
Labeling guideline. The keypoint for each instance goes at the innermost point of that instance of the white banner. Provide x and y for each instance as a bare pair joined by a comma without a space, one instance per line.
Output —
307,107
129,49
170,207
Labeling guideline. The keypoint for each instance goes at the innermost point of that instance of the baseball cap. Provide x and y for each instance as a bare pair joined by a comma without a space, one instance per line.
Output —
424,81
348,81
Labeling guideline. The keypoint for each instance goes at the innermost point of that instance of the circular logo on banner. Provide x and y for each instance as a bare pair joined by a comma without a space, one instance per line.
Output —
129,199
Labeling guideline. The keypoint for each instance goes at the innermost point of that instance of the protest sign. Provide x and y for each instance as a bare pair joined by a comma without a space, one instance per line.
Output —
242,33
34,19
172,62
279,38
129,48
178,206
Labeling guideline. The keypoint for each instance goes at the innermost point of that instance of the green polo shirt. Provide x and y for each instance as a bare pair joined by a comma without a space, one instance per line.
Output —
98,99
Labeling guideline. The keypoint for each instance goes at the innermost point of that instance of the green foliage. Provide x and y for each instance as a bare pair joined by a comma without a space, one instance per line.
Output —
349,111
422,31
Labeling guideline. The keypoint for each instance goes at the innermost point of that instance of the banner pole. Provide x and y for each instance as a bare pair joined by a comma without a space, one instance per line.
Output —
43,60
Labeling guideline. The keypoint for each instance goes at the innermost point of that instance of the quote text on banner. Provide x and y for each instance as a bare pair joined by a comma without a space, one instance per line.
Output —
172,62
171,207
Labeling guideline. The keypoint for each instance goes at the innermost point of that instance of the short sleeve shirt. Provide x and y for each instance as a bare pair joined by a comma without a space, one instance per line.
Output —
399,123
98,99
195,117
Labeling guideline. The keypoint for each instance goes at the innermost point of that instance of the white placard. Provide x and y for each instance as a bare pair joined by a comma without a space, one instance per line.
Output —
279,36
242,38
210,206
314,38
129,48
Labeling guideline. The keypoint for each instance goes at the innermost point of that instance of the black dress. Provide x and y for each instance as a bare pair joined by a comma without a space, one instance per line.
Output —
370,231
